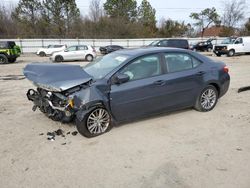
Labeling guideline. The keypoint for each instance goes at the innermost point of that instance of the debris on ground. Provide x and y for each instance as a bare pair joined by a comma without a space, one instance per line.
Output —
51,136
12,77
242,89
74,133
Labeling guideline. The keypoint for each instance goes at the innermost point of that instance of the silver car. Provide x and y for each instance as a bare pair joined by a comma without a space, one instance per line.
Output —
73,53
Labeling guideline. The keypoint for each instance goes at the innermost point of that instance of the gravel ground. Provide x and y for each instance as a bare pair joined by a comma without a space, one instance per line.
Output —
184,149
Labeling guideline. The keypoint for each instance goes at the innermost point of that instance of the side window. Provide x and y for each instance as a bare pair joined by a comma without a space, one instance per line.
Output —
72,48
143,67
82,48
239,41
164,43
179,62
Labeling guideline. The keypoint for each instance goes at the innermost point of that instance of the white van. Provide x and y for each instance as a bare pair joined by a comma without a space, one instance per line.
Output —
240,46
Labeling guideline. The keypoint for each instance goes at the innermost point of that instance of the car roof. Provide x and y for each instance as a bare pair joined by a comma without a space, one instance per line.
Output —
148,50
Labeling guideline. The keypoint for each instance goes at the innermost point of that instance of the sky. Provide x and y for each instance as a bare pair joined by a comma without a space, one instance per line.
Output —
174,9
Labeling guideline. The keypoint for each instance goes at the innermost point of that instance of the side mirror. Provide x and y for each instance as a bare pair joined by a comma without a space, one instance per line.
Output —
121,78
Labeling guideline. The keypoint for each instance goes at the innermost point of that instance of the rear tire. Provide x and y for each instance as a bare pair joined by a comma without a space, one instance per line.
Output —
95,123
58,59
207,99
3,59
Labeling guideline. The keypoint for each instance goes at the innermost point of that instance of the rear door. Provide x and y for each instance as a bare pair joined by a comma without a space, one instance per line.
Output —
81,52
184,79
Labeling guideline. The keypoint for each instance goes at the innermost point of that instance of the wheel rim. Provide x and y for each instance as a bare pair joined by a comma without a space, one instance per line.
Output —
2,60
98,121
231,53
208,99
89,58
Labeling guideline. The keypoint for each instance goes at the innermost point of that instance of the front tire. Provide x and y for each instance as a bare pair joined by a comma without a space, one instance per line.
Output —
42,54
3,59
58,59
207,99
95,123
231,53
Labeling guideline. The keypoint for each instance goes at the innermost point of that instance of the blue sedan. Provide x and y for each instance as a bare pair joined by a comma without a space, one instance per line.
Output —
127,85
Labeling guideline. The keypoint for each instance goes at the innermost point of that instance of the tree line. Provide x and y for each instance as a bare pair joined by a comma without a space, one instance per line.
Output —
112,19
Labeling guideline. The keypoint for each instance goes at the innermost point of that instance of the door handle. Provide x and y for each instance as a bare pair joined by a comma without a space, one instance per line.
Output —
200,73
160,82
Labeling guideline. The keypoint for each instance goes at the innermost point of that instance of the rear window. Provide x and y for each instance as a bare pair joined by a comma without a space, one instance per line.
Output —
3,45
178,43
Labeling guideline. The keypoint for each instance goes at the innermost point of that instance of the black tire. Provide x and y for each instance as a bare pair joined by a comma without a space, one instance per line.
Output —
3,59
89,58
42,54
201,107
84,129
231,53
209,49
58,59
218,54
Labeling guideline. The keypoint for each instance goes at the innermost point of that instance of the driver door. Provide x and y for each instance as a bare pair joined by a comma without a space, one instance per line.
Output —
141,95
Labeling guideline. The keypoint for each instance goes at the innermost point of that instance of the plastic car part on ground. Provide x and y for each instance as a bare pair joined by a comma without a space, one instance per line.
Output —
242,89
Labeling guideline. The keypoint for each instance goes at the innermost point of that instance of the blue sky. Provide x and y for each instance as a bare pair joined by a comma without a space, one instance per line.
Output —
174,9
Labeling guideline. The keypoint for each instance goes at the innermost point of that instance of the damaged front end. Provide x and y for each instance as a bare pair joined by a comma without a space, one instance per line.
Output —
61,89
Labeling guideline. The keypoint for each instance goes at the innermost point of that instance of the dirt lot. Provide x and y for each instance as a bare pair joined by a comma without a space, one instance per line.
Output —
185,149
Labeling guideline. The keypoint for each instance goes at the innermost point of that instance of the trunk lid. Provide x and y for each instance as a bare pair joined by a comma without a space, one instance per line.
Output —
56,77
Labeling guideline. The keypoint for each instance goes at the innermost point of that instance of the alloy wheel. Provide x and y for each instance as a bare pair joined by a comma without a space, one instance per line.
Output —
208,99
98,121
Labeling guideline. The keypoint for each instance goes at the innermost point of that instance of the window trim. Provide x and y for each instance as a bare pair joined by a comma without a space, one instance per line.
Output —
190,55
162,69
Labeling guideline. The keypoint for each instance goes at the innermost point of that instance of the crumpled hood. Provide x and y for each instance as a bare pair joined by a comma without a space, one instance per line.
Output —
56,77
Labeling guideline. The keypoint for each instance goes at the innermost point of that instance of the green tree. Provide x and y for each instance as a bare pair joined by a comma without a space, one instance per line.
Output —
125,9
246,30
62,14
27,14
170,28
205,18
146,16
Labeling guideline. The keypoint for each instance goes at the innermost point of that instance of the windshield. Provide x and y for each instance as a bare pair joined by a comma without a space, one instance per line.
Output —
104,65
154,43
228,41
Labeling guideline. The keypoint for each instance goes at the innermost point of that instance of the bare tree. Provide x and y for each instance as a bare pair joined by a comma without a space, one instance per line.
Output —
234,12
95,10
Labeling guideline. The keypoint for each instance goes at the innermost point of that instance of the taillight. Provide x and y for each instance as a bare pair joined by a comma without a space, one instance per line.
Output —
226,69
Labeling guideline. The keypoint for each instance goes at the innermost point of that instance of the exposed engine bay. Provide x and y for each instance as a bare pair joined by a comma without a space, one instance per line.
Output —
55,105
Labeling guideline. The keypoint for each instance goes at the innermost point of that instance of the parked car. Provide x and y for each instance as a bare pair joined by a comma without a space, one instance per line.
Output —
239,46
175,43
110,48
50,49
9,52
203,46
126,85
73,53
